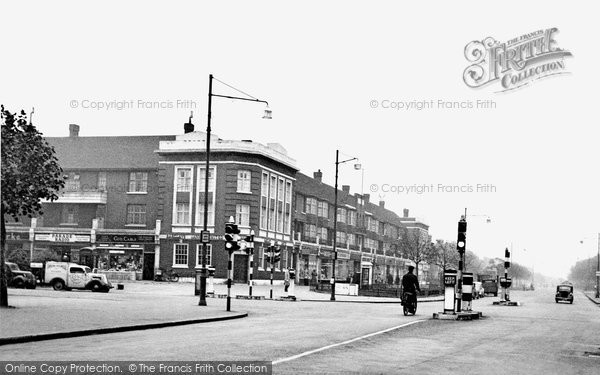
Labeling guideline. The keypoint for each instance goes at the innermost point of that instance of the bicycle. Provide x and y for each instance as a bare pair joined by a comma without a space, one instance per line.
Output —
162,275
409,303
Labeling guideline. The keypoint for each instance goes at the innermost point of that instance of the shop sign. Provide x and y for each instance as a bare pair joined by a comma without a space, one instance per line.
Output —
17,236
343,254
367,258
62,237
193,237
125,238
326,253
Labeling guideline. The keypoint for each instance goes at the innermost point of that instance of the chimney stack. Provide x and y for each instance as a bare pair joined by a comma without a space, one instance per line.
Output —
346,189
382,204
406,212
318,175
73,130
366,197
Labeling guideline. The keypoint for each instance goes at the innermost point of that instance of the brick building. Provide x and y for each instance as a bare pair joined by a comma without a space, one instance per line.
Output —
132,205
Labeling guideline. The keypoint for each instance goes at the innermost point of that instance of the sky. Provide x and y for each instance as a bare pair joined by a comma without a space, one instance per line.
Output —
342,75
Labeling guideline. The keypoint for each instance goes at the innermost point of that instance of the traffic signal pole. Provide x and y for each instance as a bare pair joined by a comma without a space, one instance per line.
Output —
461,246
229,268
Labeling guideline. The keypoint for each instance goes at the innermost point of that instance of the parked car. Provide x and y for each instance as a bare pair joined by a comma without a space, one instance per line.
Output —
564,292
17,278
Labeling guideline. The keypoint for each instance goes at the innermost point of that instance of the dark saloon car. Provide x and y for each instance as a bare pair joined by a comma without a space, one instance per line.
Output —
564,292
17,278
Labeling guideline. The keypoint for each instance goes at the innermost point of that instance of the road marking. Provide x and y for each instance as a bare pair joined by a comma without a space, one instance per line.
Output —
343,343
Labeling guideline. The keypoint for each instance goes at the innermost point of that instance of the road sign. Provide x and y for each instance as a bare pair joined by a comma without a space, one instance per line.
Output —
205,236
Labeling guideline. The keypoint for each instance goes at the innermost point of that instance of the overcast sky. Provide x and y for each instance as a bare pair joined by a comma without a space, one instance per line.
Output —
321,65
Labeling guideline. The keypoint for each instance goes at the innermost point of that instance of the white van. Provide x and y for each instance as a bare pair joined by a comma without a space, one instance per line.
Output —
67,276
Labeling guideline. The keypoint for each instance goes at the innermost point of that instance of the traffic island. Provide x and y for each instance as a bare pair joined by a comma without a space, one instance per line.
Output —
463,315
507,303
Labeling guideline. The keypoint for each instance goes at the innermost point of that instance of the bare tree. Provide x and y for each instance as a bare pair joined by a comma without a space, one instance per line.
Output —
416,246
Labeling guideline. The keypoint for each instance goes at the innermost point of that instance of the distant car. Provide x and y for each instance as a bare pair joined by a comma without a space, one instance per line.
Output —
564,292
17,278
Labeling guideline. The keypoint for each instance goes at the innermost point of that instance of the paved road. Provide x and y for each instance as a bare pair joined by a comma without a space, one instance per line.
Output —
538,337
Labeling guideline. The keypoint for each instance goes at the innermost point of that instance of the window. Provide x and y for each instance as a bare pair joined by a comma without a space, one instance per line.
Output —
180,255
310,231
374,225
323,235
264,194
323,209
102,181
351,239
70,213
243,181
280,202
340,237
73,183
341,215
76,270
138,182
311,206
200,215
199,255
136,214
351,217
242,215
182,213
288,208
202,179
184,179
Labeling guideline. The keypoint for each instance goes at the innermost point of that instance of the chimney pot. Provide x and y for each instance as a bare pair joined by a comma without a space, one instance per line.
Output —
406,212
188,127
318,175
366,197
382,204
73,130
346,189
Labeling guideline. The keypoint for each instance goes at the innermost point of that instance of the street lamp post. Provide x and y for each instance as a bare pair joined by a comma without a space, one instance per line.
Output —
335,213
267,115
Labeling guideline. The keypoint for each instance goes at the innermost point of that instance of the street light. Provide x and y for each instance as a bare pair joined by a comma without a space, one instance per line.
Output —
335,213
267,115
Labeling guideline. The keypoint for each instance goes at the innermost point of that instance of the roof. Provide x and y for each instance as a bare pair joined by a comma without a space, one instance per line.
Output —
108,152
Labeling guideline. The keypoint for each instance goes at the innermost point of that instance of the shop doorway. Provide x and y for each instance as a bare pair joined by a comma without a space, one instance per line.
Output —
366,276
240,268
148,270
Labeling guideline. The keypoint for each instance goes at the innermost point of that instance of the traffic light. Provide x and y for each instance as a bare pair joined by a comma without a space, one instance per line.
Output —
276,254
507,257
249,241
232,237
461,242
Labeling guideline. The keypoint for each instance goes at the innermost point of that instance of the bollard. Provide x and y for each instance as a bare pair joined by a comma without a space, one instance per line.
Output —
467,291
211,282
291,293
449,291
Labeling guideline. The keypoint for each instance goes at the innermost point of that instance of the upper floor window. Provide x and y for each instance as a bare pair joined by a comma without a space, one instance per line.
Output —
182,213
136,214
69,213
243,181
323,209
311,206
351,217
102,181
341,215
73,183
184,179
242,215
138,182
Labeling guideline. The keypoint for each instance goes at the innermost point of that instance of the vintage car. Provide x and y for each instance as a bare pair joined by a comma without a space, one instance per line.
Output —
18,278
564,292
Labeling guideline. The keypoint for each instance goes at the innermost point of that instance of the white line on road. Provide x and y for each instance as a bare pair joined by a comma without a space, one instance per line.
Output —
342,343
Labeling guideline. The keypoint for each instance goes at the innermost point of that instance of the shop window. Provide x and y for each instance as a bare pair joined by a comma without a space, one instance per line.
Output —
136,214
199,255
180,255
243,182
138,182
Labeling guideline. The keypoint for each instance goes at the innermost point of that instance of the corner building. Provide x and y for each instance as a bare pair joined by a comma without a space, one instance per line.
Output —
249,181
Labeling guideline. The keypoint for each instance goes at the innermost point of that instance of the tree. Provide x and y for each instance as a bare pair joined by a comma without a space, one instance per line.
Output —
30,173
416,246
444,255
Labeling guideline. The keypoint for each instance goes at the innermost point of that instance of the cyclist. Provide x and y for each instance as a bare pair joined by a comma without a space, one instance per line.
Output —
410,283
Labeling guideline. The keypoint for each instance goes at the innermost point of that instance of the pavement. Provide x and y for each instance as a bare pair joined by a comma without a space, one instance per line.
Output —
140,305
592,296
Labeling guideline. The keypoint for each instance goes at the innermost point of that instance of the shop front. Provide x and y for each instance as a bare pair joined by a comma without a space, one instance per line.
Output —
307,266
63,245
123,256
